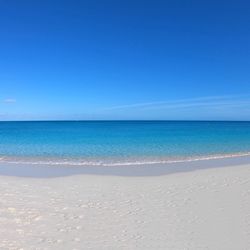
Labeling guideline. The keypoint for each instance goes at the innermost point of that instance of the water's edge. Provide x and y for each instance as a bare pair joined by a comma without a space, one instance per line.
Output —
114,162
40,170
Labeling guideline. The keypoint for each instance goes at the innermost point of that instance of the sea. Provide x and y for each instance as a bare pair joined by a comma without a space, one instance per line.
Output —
121,143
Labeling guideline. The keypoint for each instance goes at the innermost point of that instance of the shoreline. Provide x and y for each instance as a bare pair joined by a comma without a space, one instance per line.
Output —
51,170
107,162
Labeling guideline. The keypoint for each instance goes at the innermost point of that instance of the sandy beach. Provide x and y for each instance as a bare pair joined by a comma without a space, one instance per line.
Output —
199,209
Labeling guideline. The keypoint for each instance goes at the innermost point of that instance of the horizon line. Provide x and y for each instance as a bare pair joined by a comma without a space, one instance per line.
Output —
126,120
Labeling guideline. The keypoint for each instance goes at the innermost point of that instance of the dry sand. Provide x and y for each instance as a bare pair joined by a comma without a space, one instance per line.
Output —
203,209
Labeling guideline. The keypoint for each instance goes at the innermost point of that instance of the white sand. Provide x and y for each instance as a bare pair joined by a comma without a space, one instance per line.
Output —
204,209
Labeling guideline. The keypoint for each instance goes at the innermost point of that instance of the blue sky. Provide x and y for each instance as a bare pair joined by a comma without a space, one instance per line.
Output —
124,59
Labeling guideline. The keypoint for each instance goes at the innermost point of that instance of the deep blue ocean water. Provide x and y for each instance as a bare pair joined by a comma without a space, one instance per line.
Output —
121,141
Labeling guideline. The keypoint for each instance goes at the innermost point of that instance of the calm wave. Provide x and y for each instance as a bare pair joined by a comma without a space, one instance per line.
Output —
121,142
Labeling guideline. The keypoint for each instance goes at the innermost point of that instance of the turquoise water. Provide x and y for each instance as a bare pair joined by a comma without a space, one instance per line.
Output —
96,142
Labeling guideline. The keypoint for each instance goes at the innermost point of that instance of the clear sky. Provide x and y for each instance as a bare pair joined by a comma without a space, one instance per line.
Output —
130,59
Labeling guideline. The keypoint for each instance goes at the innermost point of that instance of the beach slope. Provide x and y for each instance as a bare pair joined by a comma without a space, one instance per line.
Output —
203,209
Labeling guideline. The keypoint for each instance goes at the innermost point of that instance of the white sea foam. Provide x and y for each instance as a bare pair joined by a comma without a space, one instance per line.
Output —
114,162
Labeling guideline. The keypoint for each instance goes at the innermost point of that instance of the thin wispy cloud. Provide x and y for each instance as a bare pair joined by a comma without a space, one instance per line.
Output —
213,104
9,100
209,101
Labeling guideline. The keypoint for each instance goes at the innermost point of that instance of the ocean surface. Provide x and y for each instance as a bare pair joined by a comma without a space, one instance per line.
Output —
121,142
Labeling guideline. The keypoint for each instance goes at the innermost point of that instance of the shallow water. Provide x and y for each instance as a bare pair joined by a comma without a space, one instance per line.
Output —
121,142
